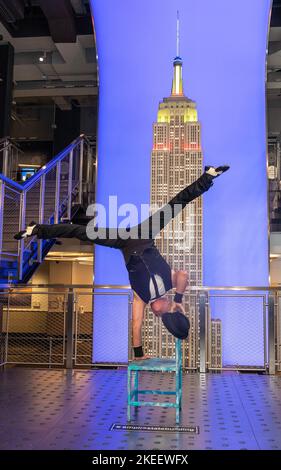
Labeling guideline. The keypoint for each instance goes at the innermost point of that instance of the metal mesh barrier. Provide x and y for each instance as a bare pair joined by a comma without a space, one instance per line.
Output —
56,326
83,351
236,331
75,166
32,205
64,172
278,333
50,195
34,327
11,212
111,336
3,328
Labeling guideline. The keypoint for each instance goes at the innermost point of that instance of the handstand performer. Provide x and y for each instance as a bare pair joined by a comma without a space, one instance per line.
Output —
150,275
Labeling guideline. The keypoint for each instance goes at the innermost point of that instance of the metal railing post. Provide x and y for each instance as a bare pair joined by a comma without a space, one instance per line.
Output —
2,201
21,227
202,331
57,198
6,158
81,170
69,201
7,329
89,157
130,306
271,333
70,328
41,214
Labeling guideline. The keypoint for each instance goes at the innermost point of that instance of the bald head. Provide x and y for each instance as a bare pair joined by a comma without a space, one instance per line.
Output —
160,306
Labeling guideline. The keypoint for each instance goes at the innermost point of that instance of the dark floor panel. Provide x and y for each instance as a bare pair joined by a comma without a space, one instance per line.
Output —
57,409
261,399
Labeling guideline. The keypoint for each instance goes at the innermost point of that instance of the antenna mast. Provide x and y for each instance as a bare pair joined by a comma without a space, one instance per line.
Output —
178,33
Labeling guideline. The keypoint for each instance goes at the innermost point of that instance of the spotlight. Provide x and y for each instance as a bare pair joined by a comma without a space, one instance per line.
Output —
42,57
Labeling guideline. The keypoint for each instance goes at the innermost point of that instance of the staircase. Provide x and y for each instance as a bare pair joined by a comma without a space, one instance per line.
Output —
53,195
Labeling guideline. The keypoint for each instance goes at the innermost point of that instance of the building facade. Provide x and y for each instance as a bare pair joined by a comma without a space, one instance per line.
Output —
176,161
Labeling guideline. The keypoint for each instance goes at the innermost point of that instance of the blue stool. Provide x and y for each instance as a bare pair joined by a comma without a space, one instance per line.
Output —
156,365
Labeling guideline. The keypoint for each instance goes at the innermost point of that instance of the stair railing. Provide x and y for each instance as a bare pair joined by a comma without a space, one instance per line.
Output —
9,157
49,196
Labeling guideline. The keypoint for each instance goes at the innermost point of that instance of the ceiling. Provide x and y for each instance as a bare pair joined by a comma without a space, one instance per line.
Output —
62,34
65,42
274,57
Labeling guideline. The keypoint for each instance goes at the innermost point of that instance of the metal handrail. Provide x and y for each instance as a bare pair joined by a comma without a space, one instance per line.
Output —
10,157
44,170
127,286
271,307
69,188
10,143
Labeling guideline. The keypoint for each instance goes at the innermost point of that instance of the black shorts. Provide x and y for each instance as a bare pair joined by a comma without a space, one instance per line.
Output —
150,275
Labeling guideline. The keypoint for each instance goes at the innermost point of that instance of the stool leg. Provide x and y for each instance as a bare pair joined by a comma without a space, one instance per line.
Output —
136,385
129,395
180,388
177,415
177,396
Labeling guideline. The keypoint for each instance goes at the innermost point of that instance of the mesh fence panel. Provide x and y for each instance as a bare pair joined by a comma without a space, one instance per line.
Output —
35,327
64,180
11,217
236,331
83,328
3,328
278,333
75,166
110,331
32,203
50,194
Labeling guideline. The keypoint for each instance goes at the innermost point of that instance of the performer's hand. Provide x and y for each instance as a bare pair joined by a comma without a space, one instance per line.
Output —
176,306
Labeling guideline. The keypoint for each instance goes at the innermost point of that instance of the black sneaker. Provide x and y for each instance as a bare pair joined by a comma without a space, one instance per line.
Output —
215,172
27,232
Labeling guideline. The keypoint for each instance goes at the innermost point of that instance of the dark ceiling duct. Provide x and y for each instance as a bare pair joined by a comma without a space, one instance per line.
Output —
12,10
61,19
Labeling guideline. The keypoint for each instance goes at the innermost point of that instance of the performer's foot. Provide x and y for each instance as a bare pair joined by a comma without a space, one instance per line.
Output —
215,172
25,233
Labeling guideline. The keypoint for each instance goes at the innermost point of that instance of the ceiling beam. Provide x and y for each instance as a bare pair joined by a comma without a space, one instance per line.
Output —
54,92
273,85
63,103
273,47
61,20
274,76
78,6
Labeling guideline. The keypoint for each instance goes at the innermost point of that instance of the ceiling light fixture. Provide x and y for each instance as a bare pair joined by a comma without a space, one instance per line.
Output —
42,57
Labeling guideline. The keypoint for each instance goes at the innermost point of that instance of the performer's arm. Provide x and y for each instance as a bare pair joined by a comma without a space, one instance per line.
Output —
180,282
138,315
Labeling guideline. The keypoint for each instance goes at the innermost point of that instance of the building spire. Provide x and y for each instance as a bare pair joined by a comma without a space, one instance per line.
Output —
177,87
178,33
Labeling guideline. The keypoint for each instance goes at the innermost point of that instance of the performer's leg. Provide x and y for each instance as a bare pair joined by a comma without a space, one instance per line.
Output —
150,227
48,231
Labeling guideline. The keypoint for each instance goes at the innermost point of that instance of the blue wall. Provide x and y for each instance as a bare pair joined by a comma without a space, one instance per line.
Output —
223,48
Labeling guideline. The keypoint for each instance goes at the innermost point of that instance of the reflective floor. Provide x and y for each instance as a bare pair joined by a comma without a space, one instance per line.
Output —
56,409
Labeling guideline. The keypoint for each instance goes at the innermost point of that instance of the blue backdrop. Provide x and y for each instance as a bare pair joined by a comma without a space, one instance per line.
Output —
223,46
